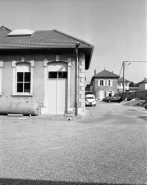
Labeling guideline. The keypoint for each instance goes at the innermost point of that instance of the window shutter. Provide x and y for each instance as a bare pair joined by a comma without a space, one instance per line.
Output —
98,82
111,83
104,82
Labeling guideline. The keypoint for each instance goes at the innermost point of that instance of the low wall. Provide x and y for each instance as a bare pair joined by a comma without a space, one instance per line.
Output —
138,94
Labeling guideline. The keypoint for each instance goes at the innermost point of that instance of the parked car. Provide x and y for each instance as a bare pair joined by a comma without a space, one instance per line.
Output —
115,98
90,99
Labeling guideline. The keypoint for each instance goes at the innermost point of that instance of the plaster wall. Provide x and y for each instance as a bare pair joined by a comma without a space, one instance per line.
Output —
106,88
142,86
7,79
38,78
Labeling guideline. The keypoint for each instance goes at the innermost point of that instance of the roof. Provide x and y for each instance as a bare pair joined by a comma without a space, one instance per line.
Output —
143,81
121,80
39,39
43,39
105,74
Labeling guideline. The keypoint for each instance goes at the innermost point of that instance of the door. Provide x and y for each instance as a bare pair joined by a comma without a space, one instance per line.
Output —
101,94
56,88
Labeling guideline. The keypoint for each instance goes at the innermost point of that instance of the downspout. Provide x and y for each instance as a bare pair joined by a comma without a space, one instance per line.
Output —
77,80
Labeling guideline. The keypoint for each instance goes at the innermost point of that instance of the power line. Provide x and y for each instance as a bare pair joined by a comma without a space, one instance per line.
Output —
120,70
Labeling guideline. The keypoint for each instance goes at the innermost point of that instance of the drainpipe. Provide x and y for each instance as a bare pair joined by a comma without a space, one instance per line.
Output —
77,80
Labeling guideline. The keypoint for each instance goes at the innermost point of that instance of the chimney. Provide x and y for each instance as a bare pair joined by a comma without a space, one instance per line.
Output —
94,72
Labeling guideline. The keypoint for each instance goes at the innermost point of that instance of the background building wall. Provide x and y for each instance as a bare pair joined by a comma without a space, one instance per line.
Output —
105,88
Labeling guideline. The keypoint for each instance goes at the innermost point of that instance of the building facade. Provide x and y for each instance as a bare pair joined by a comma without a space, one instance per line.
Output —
143,84
104,84
120,85
40,67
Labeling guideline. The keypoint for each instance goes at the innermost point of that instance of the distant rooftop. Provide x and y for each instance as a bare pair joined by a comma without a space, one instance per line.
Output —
121,80
143,81
105,74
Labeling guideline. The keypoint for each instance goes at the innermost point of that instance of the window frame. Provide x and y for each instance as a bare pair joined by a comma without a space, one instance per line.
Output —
109,85
103,84
14,85
24,82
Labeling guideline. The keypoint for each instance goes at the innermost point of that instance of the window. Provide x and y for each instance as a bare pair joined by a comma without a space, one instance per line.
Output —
101,82
109,83
57,74
23,82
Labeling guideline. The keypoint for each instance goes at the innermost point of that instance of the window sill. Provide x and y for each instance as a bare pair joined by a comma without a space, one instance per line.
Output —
22,94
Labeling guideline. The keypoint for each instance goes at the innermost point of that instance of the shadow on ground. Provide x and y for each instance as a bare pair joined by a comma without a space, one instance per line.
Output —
43,182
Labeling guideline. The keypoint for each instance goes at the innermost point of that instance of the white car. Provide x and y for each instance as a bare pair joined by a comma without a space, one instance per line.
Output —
90,100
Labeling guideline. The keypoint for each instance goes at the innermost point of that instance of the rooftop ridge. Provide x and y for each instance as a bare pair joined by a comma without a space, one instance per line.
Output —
3,27
90,45
105,73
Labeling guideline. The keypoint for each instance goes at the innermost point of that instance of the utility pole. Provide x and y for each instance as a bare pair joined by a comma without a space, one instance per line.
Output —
124,72
123,76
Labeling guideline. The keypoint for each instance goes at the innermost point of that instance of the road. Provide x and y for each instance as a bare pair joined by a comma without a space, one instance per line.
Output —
108,146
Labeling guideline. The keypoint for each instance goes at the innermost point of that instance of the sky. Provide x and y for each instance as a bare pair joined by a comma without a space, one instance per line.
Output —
116,28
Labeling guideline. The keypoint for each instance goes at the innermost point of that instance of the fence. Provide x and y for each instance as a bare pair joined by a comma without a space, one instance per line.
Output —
137,94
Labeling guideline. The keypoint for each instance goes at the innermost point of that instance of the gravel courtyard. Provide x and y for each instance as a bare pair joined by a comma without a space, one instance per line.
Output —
108,146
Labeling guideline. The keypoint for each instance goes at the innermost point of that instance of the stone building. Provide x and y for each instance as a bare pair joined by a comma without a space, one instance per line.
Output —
104,84
46,67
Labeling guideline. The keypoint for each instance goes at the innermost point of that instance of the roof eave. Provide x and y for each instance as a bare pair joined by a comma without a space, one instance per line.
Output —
104,77
91,53
49,47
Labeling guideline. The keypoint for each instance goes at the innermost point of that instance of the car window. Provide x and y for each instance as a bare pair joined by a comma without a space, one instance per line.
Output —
89,97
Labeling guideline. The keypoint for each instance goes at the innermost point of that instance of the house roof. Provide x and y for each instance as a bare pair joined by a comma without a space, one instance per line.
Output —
143,81
105,74
39,39
43,39
121,80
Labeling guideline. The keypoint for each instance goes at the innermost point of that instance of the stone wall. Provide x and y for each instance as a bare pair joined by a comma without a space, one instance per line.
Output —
81,94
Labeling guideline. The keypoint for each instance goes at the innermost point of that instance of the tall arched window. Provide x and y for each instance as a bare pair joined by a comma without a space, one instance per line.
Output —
23,78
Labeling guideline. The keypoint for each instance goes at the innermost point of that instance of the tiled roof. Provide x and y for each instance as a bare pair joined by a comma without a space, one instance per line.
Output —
39,39
121,80
143,81
105,74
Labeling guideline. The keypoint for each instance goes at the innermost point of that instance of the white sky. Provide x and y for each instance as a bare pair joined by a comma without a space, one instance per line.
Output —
116,28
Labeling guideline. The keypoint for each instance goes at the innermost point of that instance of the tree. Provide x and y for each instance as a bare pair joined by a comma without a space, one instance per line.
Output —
132,84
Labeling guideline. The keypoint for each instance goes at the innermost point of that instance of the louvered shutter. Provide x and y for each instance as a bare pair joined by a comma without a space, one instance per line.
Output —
98,82
111,83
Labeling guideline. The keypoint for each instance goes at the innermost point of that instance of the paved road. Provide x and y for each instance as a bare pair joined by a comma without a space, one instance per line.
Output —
107,147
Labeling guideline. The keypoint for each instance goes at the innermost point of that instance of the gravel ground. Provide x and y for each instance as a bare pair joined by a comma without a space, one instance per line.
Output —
108,146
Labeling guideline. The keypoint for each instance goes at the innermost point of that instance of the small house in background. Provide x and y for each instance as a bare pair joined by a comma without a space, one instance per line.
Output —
143,84
43,67
120,85
104,84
